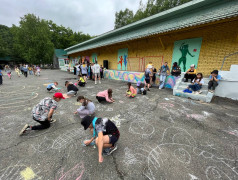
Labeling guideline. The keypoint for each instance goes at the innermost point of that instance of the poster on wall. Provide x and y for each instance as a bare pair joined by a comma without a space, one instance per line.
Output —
94,57
61,62
186,52
122,59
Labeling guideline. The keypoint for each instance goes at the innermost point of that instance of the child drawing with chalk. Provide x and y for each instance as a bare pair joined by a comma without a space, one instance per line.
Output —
131,92
105,96
140,88
43,112
53,87
87,108
105,134
71,88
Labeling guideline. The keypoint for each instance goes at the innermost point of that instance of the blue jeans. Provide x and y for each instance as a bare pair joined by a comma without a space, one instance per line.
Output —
162,80
195,87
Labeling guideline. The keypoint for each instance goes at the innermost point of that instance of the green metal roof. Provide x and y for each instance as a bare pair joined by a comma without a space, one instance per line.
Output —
193,13
60,53
6,58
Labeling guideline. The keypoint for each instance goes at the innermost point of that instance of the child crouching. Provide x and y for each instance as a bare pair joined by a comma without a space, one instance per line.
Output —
131,92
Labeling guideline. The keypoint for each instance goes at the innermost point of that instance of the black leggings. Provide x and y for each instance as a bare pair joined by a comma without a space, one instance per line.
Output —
43,124
189,76
100,99
82,84
212,85
25,74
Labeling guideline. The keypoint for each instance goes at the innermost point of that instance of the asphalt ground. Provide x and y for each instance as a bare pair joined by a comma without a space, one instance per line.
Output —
162,136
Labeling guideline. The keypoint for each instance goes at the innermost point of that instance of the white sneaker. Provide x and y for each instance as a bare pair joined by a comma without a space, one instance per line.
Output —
160,88
199,92
95,82
99,82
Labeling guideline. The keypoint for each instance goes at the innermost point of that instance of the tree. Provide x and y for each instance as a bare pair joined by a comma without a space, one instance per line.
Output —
123,18
63,37
32,40
152,7
5,41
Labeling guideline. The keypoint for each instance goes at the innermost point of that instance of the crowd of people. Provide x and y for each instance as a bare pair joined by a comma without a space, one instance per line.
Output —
91,71
104,132
191,74
22,69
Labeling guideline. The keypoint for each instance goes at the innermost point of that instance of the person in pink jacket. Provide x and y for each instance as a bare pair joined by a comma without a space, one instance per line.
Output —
131,92
105,96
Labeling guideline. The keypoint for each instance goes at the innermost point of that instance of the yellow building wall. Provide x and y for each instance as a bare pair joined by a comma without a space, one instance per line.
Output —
218,40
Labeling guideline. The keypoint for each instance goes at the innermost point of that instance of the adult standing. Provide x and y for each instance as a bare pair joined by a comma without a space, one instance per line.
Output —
96,72
148,75
154,75
163,72
25,70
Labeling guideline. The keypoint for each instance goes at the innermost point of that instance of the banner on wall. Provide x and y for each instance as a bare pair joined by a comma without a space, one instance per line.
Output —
122,59
61,62
94,57
186,52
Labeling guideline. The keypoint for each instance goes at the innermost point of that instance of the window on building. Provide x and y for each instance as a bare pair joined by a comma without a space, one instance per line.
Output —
66,61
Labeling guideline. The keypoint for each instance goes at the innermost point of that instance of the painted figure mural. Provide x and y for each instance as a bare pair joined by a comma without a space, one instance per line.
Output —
122,59
186,52
94,57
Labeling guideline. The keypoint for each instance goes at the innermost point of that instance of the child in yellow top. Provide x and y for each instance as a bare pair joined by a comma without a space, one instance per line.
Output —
190,73
81,81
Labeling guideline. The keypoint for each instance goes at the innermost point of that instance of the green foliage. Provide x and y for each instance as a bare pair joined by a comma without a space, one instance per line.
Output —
32,40
35,39
5,41
123,18
152,7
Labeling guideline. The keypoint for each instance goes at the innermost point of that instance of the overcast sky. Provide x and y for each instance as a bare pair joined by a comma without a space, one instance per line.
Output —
89,16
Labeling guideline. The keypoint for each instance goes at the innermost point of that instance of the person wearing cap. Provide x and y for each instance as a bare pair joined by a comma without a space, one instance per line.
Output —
214,81
190,73
105,133
43,112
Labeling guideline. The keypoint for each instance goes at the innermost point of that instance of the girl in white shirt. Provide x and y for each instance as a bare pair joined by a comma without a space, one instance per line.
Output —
197,84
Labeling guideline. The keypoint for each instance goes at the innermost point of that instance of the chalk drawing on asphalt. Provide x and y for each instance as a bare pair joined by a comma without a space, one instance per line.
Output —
178,148
141,128
74,173
19,172
59,143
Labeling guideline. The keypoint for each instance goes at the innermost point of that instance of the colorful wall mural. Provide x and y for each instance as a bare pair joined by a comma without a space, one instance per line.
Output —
134,77
186,52
94,57
122,59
